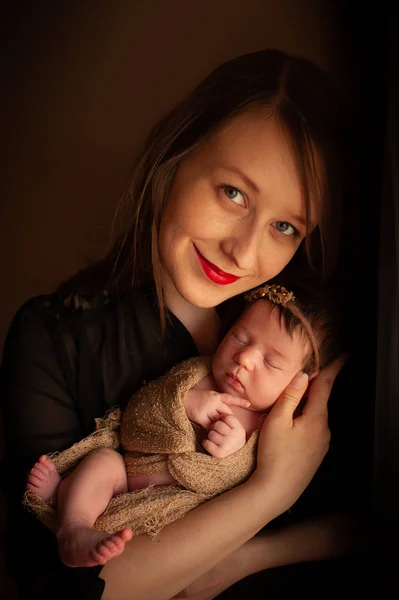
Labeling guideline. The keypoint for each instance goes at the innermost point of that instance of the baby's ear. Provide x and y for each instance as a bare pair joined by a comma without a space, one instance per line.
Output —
313,375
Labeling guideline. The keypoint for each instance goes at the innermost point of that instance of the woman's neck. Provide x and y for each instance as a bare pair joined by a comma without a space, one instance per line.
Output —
203,324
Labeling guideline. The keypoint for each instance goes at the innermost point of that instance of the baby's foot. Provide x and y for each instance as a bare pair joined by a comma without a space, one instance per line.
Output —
43,479
80,546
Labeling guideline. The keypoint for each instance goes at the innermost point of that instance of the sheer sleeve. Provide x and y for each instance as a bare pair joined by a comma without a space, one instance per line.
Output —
38,409
39,416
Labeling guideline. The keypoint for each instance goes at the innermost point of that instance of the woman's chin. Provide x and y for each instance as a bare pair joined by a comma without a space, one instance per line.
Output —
199,294
205,299
196,289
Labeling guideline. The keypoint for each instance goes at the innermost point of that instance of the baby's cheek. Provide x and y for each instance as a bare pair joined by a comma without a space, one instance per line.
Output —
264,396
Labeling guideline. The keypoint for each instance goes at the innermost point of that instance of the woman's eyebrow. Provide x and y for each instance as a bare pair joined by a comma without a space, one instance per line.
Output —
302,220
241,174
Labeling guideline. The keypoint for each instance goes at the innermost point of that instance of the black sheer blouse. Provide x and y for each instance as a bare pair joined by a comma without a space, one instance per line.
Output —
65,362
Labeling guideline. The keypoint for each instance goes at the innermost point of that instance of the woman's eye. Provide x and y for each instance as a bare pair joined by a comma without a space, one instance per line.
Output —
234,194
286,228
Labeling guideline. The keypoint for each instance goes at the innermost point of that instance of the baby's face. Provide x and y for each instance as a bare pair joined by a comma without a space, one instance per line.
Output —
258,358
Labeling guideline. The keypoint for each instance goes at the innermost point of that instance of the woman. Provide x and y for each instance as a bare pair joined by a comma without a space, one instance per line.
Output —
230,184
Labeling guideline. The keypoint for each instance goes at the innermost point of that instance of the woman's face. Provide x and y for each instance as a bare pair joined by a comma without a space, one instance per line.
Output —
235,214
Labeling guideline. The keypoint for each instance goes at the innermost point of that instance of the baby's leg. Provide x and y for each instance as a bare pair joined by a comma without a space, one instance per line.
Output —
82,498
139,482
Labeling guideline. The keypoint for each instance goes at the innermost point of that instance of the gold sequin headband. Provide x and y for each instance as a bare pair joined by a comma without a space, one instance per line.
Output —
278,294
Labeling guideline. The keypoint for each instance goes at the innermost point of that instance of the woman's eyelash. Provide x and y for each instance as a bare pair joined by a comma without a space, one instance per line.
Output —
295,232
232,192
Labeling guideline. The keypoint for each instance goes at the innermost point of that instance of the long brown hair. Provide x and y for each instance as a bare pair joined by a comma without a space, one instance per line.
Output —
306,104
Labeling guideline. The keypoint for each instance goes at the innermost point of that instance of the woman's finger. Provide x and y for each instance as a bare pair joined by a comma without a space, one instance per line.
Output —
291,396
320,388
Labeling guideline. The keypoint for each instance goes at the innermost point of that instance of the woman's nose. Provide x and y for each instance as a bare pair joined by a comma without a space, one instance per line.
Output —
242,247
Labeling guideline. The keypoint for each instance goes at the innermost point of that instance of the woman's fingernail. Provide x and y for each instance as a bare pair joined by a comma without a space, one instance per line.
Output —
300,379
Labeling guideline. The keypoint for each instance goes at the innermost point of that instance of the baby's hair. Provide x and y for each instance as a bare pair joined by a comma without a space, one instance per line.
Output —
318,325
317,319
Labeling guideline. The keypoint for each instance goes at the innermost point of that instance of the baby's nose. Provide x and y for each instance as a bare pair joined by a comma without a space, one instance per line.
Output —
245,358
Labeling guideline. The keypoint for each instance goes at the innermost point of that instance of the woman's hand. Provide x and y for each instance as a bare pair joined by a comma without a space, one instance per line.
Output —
290,450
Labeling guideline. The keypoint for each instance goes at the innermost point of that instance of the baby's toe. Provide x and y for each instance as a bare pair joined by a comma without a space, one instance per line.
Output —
116,541
34,480
40,471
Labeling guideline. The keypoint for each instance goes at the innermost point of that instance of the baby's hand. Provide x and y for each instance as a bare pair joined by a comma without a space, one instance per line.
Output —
206,406
225,437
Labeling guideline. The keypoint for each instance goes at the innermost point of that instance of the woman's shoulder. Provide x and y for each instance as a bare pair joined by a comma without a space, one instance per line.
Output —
62,310
71,322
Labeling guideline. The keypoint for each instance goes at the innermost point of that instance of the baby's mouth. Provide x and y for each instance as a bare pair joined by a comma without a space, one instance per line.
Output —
235,381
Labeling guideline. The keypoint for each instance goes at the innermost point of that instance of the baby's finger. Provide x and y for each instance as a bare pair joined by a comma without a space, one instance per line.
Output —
230,420
234,400
221,427
211,448
206,422
215,437
222,411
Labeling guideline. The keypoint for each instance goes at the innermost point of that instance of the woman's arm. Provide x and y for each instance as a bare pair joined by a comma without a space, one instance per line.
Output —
181,552
316,539
289,453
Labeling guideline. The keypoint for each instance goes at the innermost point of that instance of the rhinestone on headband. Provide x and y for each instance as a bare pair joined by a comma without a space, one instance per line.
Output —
276,293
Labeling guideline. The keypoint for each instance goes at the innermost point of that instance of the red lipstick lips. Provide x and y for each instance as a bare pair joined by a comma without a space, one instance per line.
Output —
214,273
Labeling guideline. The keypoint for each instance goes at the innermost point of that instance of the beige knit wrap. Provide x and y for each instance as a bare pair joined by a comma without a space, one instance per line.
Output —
156,436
